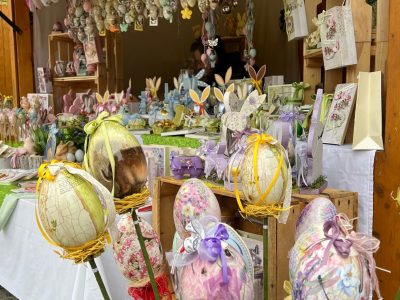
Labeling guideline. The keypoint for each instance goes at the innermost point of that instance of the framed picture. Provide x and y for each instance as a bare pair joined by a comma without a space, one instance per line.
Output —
339,114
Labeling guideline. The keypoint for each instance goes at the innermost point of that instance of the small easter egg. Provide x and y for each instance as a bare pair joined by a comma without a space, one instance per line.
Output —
204,58
87,6
79,155
252,52
208,26
70,157
78,11
193,201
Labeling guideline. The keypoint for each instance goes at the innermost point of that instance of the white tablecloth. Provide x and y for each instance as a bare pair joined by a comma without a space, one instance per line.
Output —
30,270
354,171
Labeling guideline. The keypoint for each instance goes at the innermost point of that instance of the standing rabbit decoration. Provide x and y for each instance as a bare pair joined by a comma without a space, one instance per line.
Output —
199,101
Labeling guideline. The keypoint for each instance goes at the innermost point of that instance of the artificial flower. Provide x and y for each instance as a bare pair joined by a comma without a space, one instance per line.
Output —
186,13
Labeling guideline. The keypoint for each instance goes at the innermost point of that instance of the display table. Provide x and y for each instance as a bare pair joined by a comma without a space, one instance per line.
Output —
346,169
29,268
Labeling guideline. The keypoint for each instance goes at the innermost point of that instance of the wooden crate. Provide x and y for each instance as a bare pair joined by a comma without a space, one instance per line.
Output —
280,236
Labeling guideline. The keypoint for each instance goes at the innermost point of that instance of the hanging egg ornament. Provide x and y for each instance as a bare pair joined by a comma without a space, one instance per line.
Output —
235,3
87,6
264,171
252,53
73,208
110,143
193,201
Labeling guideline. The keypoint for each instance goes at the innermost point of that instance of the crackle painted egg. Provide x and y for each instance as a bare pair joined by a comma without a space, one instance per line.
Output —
128,254
193,201
267,166
73,208
203,279
130,161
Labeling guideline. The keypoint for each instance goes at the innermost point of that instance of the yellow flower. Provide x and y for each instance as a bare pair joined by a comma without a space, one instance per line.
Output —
186,13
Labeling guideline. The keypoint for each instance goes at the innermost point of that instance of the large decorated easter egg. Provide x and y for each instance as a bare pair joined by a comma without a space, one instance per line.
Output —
128,254
328,261
73,207
110,142
193,201
264,170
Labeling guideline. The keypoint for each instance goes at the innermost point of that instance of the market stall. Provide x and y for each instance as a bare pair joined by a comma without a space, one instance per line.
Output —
221,180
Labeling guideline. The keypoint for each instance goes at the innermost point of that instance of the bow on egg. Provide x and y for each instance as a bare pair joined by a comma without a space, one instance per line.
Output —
209,248
91,127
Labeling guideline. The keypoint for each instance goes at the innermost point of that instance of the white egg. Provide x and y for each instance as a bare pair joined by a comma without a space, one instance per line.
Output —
79,155
70,157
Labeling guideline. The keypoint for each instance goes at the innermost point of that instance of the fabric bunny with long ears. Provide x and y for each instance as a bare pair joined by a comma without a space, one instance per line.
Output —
257,77
199,102
102,101
237,120
220,96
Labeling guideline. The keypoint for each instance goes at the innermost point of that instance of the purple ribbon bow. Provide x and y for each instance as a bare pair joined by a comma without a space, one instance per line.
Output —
289,116
211,249
332,232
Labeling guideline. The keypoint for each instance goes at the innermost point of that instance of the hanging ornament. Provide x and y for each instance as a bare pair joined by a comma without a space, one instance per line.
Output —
249,52
226,7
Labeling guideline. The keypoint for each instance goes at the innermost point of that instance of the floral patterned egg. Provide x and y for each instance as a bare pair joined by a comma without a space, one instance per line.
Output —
317,211
203,279
267,166
130,161
73,207
128,254
337,278
193,201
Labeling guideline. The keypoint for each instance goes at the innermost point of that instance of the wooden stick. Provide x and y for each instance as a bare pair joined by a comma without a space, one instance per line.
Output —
98,279
145,255
265,257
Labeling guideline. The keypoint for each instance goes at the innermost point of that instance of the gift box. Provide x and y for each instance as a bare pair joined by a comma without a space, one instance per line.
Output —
337,37
296,19
273,80
46,100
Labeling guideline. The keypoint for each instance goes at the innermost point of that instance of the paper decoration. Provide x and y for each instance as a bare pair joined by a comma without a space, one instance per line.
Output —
339,114
93,51
337,37
296,19
44,80
273,80
368,117
46,100
279,94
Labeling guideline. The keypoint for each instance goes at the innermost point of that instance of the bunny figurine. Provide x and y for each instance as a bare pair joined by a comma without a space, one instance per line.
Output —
199,102
220,97
101,102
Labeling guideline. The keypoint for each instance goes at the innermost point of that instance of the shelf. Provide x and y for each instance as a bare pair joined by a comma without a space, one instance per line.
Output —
315,53
60,36
75,78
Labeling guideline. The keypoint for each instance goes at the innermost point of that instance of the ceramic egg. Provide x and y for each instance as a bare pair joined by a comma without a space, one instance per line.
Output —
79,155
193,201
70,206
128,254
70,157
267,166
130,161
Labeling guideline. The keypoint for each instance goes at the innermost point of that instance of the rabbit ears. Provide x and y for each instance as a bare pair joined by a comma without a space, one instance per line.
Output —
119,97
204,95
220,96
221,81
103,99
176,83
242,91
153,83
259,75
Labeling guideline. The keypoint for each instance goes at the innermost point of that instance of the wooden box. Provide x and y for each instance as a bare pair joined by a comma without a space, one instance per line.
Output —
281,236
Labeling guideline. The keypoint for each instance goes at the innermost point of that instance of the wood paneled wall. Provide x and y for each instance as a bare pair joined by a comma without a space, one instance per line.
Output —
16,67
387,166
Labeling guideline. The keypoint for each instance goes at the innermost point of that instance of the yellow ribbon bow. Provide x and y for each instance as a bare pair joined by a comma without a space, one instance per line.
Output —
257,85
90,128
287,286
44,171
